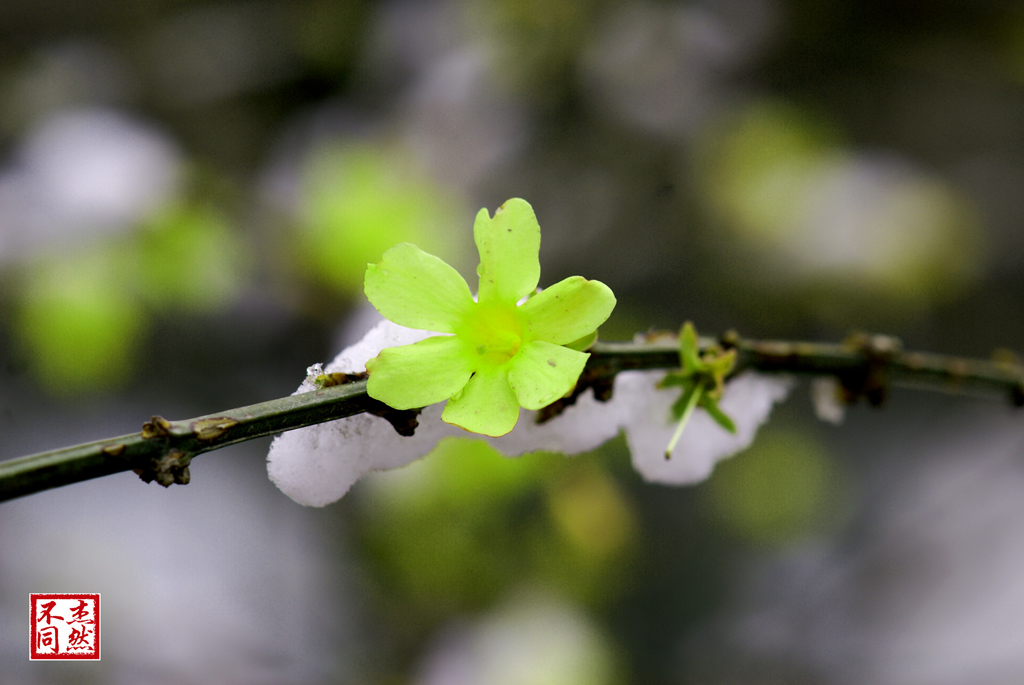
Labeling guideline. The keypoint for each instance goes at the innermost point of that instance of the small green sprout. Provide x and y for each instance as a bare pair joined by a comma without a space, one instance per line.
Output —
500,353
702,378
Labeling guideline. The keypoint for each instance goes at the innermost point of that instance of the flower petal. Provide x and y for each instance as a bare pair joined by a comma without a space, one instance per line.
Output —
486,405
416,375
509,246
416,289
541,373
567,311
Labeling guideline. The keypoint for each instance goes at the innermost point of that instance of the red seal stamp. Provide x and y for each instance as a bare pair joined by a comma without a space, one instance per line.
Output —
64,626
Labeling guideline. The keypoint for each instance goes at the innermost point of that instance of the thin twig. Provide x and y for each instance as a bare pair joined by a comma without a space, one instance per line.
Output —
865,365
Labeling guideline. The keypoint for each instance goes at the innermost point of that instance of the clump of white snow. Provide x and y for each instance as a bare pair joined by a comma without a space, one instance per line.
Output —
748,399
317,465
827,396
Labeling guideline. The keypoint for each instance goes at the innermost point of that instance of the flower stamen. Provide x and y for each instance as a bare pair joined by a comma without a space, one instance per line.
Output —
493,332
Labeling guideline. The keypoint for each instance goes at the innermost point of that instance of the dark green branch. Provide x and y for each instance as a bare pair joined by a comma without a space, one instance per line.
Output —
162,449
865,365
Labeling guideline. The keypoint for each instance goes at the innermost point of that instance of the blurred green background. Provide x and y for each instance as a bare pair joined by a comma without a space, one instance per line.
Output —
190,191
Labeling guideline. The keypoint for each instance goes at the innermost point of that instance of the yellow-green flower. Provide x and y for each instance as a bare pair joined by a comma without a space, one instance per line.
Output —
499,354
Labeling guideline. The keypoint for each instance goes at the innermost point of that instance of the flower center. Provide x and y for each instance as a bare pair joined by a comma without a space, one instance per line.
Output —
493,332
